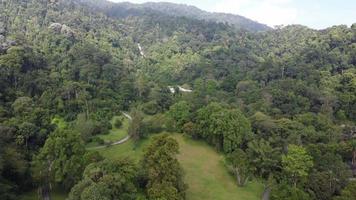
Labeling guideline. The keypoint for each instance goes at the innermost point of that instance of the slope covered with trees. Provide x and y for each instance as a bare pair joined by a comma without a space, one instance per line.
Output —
280,105
126,9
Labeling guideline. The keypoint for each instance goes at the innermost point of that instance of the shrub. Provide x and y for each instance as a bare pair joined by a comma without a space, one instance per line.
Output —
155,125
150,108
102,127
98,140
118,123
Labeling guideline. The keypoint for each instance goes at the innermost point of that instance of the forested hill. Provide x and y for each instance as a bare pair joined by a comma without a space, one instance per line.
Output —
179,10
278,104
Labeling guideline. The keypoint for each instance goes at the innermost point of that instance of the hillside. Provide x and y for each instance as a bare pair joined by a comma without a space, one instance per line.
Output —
127,9
269,112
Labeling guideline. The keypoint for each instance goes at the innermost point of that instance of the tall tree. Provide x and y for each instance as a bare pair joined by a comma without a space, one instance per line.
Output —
136,129
240,166
349,193
265,158
234,128
61,160
162,169
180,114
107,180
297,163
227,129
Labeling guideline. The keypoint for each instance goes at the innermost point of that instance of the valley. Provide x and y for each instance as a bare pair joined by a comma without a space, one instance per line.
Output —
165,101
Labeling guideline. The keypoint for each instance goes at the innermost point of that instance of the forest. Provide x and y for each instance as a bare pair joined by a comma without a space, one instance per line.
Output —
97,104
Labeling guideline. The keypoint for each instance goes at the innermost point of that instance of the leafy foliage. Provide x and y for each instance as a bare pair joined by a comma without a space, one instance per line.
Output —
61,160
285,97
107,180
162,169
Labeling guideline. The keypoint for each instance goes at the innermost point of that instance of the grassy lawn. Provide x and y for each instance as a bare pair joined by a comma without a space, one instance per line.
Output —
32,195
126,149
206,174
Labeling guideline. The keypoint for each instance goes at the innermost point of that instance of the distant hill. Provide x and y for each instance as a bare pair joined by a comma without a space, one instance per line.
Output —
126,9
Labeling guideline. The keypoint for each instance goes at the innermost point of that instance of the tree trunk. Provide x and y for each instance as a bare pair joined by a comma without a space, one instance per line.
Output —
238,177
87,109
266,193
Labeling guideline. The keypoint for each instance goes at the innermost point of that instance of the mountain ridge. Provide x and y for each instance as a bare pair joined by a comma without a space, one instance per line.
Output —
124,9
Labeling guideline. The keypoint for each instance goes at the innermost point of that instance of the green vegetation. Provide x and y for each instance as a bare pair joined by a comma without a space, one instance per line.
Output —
59,122
128,149
105,179
297,163
61,159
277,106
163,170
204,169
116,133
349,193
33,195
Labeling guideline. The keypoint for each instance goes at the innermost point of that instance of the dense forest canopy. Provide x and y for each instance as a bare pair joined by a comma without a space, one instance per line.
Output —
279,104
178,10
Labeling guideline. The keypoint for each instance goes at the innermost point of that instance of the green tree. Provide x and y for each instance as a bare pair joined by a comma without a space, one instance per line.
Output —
348,193
26,131
204,120
330,173
162,96
180,114
284,191
240,166
107,180
231,128
265,158
352,150
227,129
162,169
12,164
85,127
296,163
23,107
347,94
61,160
136,127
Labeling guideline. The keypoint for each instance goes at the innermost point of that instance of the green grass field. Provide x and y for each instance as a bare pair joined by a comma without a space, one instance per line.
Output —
126,149
206,174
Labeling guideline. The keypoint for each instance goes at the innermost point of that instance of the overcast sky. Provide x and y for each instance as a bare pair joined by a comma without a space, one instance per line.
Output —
313,13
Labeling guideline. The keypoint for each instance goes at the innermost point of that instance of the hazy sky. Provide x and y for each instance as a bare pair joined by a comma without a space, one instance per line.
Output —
313,13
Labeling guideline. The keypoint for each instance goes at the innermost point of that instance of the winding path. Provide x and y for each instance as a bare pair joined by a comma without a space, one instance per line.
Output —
121,141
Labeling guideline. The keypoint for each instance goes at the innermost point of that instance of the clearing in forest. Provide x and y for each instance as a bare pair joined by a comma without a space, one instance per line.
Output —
206,174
